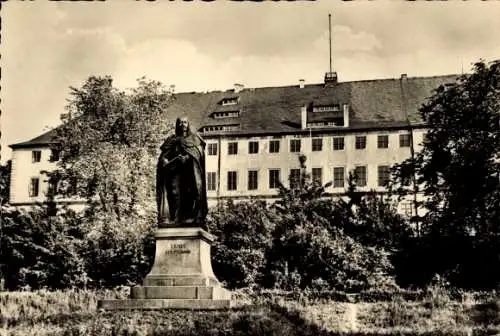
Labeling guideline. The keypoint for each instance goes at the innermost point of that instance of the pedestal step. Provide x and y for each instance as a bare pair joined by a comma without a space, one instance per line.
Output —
180,280
197,304
180,292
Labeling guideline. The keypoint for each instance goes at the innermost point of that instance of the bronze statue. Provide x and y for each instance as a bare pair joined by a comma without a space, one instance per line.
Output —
180,179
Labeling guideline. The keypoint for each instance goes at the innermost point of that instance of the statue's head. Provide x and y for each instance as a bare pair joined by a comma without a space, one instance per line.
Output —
182,126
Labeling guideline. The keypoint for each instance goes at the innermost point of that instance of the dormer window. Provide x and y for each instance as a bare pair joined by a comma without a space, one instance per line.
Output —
220,128
325,114
229,101
324,124
226,114
326,108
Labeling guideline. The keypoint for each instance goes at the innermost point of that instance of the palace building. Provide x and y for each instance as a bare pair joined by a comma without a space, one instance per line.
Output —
255,135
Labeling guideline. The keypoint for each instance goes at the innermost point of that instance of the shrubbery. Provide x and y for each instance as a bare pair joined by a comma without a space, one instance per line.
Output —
244,233
299,242
41,250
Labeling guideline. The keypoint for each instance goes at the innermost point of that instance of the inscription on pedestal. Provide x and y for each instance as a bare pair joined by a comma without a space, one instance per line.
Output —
178,249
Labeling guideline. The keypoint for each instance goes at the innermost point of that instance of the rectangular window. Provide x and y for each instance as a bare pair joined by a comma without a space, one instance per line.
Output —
274,178
404,140
211,181
51,188
383,175
34,187
212,149
407,208
383,141
317,144
295,145
229,101
274,146
360,142
338,177
360,173
232,180
54,155
36,156
338,143
317,175
253,147
294,178
253,179
232,148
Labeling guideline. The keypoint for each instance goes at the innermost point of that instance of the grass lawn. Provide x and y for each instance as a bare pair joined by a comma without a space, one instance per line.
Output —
74,313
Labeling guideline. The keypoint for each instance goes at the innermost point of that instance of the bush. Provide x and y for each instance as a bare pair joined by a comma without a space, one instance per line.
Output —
308,255
244,237
118,251
39,250
43,250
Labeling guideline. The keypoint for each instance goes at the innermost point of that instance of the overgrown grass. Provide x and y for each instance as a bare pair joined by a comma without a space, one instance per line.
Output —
74,312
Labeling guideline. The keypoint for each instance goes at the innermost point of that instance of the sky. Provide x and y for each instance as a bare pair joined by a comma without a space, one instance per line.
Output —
47,47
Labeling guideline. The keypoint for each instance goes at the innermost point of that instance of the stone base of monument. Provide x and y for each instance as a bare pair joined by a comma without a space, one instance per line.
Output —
181,277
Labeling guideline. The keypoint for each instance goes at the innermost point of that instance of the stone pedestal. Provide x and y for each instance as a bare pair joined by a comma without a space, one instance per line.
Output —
181,277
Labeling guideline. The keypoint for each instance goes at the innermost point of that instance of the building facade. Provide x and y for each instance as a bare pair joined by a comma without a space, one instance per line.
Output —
254,136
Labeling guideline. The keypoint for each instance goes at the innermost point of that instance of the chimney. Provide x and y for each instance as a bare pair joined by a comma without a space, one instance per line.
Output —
346,115
404,94
303,117
330,78
238,87
301,83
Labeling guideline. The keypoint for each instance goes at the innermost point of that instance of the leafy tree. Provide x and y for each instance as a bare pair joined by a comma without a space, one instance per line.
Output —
458,166
108,144
4,183
458,171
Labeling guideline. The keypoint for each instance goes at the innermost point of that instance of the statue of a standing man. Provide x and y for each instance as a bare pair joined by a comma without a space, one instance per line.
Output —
180,179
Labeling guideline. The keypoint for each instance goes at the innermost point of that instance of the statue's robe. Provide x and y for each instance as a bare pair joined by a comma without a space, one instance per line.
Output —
181,187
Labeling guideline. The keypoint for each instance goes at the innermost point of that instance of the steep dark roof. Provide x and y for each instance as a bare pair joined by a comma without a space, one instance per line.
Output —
380,103
44,139
371,103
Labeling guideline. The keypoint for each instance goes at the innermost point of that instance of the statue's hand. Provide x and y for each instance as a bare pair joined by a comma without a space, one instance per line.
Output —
164,162
184,158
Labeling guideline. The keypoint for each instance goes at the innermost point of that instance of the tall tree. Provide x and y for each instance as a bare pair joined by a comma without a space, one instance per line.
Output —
4,182
108,143
458,167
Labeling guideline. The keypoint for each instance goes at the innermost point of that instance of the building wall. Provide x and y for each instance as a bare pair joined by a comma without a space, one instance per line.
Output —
23,168
285,160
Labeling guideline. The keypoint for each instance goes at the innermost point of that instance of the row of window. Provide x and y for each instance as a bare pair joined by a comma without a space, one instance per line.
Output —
216,128
326,108
274,180
36,156
227,114
274,146
229,101
317,144
339,177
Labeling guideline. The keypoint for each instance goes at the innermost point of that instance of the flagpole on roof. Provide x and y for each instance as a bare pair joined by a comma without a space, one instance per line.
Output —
330,38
